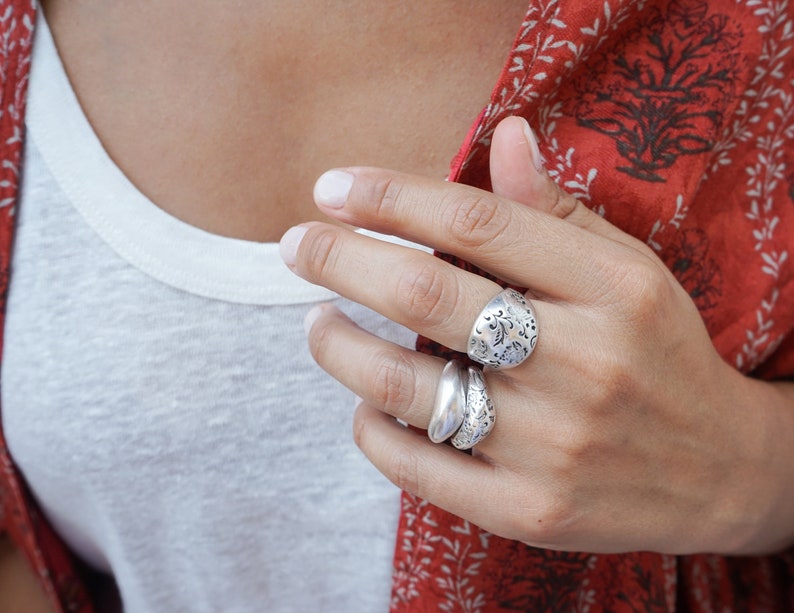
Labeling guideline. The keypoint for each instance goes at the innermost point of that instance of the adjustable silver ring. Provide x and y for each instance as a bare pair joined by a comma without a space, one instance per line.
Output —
480,415
505,332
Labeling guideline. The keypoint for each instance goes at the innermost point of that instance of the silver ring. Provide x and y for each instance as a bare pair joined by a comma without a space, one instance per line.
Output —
480,416
450,405
463,409
505,332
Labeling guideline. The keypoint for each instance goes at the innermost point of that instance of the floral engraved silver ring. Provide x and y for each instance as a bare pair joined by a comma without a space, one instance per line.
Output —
505,332
480,416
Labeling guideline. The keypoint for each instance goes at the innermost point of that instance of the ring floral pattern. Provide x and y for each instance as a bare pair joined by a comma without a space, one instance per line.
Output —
480,416
505,332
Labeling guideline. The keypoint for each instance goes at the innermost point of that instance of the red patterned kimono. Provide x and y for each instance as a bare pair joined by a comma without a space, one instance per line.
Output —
675,120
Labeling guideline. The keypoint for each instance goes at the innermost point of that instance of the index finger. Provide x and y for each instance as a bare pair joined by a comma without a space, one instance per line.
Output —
516,243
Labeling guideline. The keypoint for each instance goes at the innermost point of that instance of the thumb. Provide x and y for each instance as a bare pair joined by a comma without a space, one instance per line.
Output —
516,163
517,174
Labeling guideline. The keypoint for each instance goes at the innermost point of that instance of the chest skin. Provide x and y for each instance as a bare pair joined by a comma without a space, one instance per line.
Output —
224,114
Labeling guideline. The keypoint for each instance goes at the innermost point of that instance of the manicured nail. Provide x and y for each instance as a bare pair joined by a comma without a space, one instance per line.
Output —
311,317
332,188
288,247
314,313
534,151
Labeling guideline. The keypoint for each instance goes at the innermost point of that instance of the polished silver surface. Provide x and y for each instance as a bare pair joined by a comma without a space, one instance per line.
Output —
450,404
480,417
505,332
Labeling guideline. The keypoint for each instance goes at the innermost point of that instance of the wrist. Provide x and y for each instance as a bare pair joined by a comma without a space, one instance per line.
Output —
755,515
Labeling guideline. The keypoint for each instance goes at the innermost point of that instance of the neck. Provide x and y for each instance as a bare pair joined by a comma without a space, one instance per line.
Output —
224,117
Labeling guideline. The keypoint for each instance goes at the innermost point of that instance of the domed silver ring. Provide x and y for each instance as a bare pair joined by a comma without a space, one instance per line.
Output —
505,332
463,409
450,405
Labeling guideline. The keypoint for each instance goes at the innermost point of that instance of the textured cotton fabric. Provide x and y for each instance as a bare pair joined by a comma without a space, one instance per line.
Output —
161,400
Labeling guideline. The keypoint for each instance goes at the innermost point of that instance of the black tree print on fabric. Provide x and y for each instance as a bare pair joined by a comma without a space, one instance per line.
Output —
521,588
667,98
697,272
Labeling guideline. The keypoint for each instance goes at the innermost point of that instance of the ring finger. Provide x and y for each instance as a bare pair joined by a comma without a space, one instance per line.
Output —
403,383
394,379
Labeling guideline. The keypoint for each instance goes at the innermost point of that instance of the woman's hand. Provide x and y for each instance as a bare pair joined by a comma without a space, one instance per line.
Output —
623,431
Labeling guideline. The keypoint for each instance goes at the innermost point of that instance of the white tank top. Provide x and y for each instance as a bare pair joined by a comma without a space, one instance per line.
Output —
159,396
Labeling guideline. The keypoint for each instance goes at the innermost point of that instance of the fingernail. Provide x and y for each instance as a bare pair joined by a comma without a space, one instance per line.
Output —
534,150
314,314
332,188
311,317
288,246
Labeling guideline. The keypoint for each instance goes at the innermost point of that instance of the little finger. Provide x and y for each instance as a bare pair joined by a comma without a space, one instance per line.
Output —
469,487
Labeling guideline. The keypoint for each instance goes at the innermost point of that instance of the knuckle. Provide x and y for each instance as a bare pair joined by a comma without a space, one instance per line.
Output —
555,518
640,278
545,519
574,444
320,253
576,447
476,219
427,295
636,286
405,471
648,292
386,195
560,203
394,382
612,385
